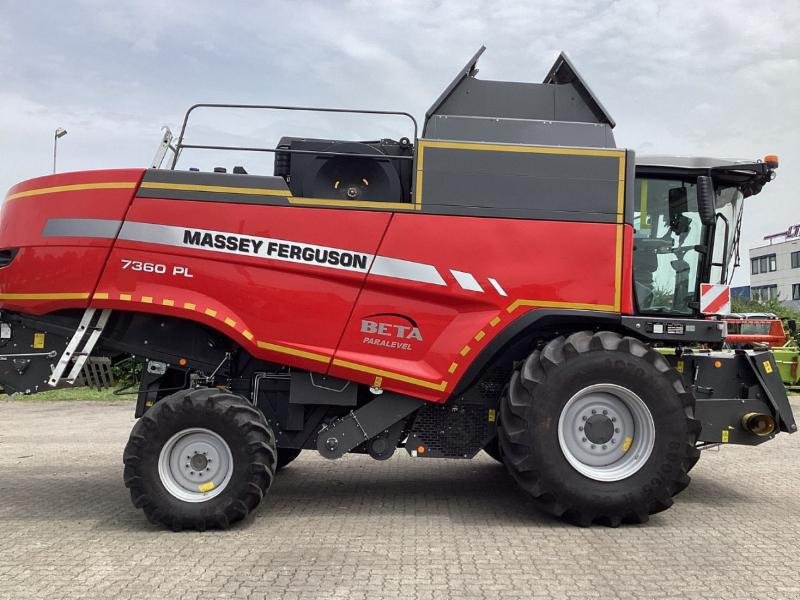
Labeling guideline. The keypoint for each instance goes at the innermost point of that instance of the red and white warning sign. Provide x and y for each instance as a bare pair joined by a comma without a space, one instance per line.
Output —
715,299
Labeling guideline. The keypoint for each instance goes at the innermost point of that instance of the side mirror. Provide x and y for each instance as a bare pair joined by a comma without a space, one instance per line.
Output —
705,200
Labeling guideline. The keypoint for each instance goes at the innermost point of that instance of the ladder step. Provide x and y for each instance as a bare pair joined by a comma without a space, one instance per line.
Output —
71,351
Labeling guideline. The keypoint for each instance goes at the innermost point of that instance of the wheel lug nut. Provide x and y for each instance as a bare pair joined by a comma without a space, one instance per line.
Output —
593,446
604,446
605,412
594,412
616,429
584,417
580,428
583,439
613,419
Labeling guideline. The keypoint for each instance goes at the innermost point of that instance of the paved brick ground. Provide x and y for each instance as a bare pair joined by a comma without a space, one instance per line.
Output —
402,529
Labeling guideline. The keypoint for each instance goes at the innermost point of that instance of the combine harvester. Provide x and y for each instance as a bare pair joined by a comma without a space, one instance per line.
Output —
500,282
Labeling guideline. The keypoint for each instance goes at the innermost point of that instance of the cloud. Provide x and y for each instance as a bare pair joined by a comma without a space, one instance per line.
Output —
679,77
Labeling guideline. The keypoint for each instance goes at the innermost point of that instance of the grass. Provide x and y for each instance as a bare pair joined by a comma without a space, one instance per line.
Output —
81,393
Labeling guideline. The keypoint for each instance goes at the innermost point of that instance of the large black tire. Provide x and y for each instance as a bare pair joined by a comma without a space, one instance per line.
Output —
529,428
241,426
285,456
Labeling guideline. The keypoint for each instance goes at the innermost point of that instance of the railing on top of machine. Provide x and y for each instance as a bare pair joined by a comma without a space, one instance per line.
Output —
166,142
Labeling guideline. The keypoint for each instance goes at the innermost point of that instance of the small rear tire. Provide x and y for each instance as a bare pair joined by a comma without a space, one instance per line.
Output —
199,459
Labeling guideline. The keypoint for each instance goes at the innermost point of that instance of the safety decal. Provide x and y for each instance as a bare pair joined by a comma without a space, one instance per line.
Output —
715,299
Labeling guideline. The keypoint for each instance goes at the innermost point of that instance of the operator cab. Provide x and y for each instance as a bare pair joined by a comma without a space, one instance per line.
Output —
686,218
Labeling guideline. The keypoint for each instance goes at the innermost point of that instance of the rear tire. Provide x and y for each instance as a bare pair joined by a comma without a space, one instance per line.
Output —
199,459
562,453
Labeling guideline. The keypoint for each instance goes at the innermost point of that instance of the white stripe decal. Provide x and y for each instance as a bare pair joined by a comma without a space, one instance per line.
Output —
257,247
497,286
247,245
405,269
467,281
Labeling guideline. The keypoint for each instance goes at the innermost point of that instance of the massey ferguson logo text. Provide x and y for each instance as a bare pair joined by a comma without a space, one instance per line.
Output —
390,335
288,251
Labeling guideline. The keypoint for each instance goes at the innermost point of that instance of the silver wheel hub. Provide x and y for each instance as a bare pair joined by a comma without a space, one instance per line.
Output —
606,432
195,465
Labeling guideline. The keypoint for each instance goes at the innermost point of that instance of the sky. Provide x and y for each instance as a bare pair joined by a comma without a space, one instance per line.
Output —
690,78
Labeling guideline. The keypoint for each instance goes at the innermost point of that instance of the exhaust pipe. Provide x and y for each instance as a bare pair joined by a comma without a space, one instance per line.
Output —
759,424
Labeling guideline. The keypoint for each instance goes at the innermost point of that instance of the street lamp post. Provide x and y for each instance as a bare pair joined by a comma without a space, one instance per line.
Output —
60,132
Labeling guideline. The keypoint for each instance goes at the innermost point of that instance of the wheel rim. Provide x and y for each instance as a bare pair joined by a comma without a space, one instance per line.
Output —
195,465
606,432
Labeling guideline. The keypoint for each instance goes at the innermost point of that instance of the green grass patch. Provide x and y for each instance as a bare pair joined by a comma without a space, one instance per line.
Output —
81,393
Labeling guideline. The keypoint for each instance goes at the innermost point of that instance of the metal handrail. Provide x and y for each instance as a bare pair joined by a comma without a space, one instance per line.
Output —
180,145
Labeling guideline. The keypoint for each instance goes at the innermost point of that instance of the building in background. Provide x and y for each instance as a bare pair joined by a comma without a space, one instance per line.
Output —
775,268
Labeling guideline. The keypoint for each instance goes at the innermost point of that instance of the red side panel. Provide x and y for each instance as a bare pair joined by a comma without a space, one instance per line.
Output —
492,271
281,311
50,273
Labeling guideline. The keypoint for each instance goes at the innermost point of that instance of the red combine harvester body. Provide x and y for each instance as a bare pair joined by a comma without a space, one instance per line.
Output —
499,283
317,309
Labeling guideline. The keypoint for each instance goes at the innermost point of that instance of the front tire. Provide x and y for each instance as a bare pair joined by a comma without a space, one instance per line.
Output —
199,459
598,428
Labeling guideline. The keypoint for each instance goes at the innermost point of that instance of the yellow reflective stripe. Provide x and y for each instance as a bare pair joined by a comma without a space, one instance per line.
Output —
390,375
113,185
222,189
62,296
548,304
294,352
621,190
618,269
